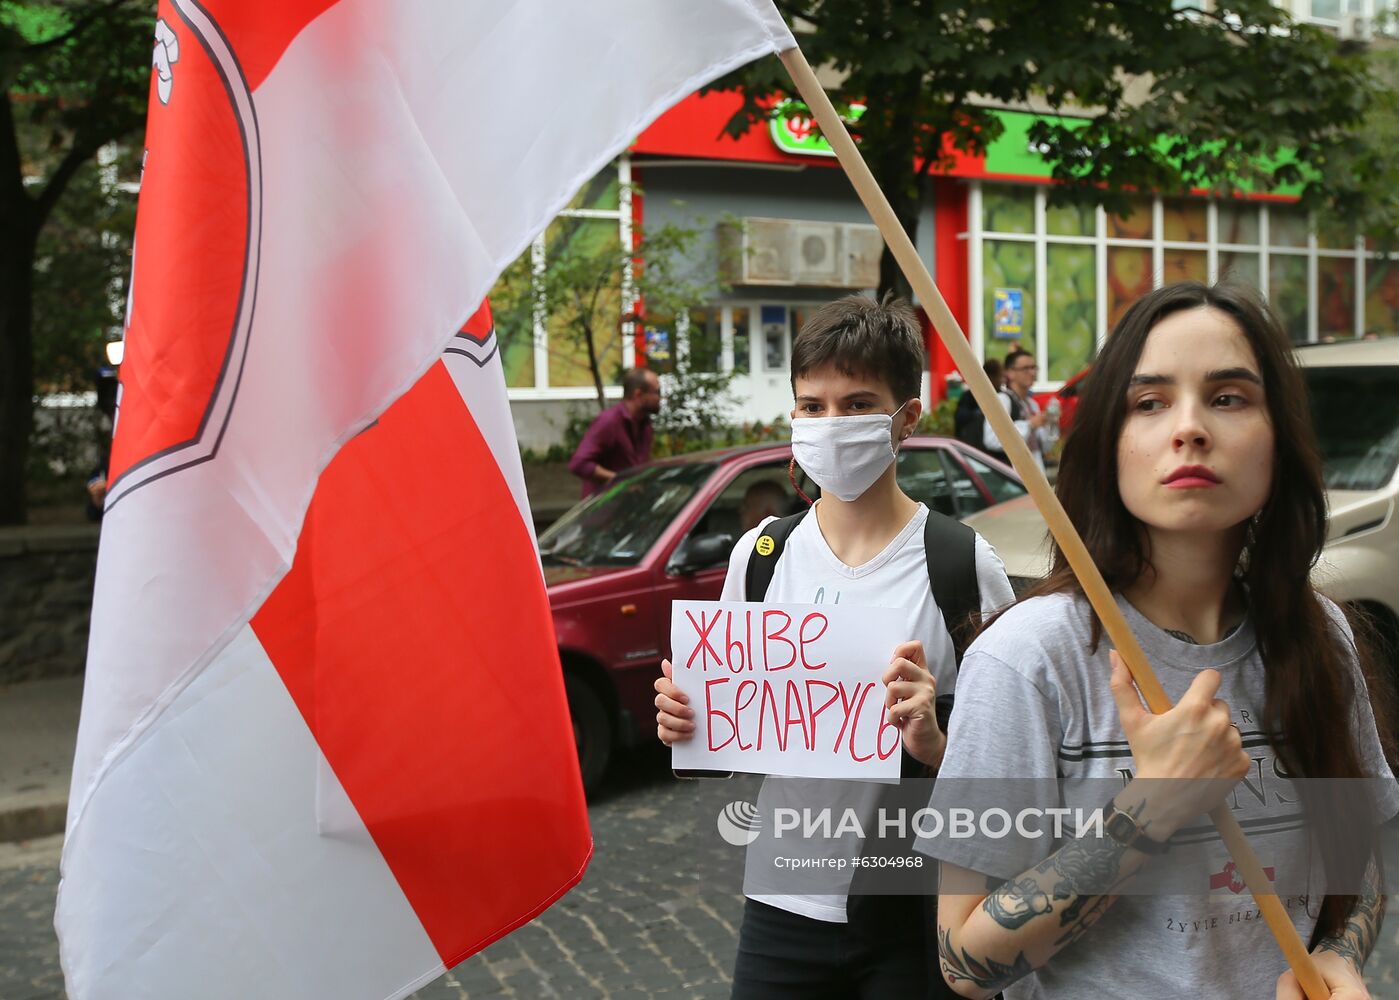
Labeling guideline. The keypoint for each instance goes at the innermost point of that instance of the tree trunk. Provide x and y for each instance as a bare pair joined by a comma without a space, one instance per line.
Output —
18,236
593,367
892,166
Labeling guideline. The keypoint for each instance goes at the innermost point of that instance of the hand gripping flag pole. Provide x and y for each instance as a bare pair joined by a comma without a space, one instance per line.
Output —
1094,586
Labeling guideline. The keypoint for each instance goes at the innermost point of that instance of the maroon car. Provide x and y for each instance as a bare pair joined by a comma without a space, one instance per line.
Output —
663,532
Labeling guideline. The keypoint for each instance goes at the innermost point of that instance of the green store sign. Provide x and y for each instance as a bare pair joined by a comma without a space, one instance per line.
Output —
793,130
1011,155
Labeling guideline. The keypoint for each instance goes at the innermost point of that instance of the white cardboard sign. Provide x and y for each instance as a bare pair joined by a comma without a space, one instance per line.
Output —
791,689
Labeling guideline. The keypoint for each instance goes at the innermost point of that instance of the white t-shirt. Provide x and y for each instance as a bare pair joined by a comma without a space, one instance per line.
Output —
1035,704
808,572
1040,439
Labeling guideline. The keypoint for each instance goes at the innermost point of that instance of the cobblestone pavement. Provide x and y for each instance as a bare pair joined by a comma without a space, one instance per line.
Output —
655,916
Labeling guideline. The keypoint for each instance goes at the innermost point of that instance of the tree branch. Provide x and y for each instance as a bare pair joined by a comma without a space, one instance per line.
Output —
79,153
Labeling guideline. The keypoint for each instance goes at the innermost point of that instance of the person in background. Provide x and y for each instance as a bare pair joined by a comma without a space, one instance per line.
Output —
765,498
620,436
968,422
1031,423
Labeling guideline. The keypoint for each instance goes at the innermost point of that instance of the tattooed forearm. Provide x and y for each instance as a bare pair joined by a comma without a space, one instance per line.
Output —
1087,910
1017,902
987,973
1082,872
1356,941
1085,867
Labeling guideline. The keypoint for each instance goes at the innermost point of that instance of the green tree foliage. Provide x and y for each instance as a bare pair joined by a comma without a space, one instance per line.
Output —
1227,95
576,290
76,74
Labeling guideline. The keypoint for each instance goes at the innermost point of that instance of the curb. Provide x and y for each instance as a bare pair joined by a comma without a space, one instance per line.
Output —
28,817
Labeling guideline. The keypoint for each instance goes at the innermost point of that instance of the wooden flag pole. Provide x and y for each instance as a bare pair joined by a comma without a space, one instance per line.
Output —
1094,586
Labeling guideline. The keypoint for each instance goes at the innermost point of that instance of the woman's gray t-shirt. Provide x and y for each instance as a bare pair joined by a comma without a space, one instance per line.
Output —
1033,702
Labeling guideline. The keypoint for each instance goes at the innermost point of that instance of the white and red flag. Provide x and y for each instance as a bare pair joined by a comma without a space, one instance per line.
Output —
324,748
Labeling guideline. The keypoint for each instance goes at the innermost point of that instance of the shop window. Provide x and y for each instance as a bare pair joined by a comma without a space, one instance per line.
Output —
1330,236
584,256
600,194
1008,296
705,340
1007,209
1335,300
1382,296
1237,222
1287,290
1185,220
742,343
1239,268
1069,220
1134,224
1071,292
1287,227
774,319
512,309
1129,278
1184,265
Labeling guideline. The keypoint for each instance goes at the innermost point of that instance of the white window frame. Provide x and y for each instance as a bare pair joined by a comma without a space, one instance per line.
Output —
542,390
977,235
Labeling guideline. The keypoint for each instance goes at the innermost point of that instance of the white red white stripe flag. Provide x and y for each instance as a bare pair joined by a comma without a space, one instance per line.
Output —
324,748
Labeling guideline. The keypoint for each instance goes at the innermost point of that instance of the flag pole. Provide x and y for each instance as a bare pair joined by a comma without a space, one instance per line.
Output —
1094,586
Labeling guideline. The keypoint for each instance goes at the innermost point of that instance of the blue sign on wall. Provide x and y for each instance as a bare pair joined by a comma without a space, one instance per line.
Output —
1009,319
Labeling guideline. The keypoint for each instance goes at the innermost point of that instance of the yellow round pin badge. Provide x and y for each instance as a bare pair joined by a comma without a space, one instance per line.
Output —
766,545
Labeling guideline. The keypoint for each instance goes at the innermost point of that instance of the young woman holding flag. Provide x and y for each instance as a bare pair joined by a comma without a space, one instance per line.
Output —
1193,476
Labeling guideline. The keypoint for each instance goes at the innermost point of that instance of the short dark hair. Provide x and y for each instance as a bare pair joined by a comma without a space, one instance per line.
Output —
1014,357
860,336
635,379
993,370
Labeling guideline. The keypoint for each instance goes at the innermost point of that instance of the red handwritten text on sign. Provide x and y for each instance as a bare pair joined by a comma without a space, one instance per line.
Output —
789,689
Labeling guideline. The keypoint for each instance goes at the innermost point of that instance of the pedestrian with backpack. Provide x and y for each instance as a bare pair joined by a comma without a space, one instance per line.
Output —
1031,423
968,422
856,371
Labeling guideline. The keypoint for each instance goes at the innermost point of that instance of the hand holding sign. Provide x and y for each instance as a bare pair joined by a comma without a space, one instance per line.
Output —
909,696
792,689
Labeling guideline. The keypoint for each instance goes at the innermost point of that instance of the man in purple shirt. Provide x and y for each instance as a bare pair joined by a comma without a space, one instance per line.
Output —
621,435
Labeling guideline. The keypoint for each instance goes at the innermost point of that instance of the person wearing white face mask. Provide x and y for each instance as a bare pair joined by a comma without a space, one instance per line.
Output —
856,371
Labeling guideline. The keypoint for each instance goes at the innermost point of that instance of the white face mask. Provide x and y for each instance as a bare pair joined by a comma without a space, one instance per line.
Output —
845,455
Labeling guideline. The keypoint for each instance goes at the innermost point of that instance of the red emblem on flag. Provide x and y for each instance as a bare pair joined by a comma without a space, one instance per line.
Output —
195,260
1232,879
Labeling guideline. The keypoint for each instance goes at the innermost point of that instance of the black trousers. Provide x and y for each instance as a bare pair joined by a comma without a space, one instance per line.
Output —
784,955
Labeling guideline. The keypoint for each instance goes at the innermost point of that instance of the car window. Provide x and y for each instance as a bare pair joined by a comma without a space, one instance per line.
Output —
619,525
965,493
1001,486
1356,415
923,477
753,495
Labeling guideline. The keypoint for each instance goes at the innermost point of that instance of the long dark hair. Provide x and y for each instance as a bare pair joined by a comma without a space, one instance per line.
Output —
1310,681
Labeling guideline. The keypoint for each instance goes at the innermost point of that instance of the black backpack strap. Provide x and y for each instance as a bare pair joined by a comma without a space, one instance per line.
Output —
762,561
949,547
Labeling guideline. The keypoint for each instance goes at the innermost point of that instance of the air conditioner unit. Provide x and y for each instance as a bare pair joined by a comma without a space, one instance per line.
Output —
819,254
863,249
1356,28
756,251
